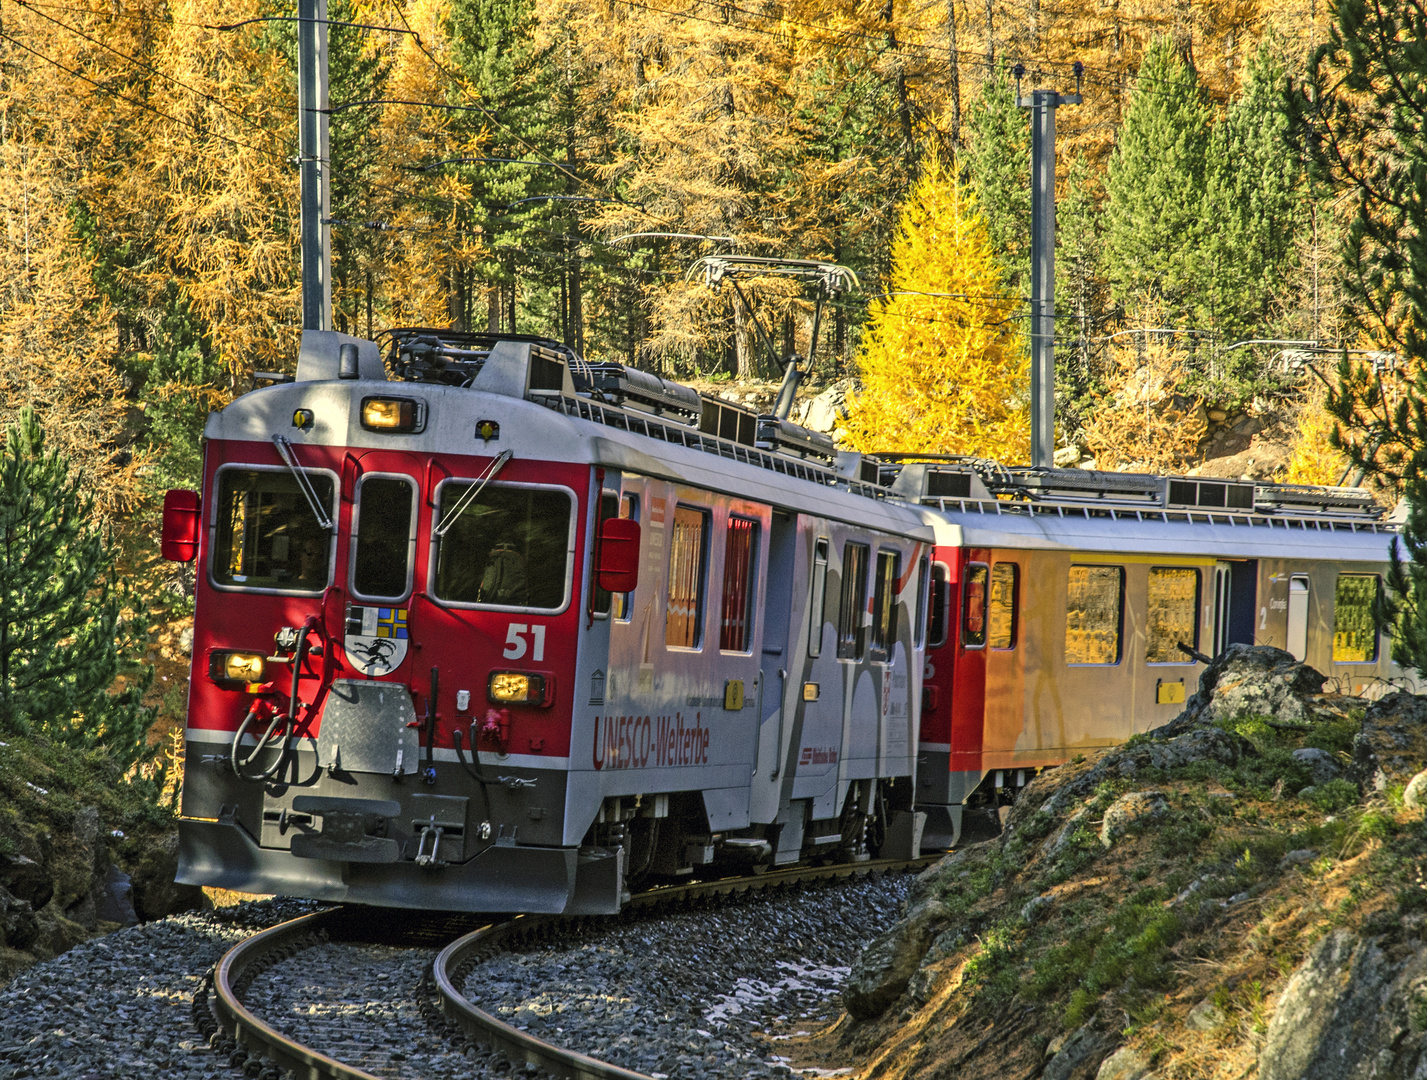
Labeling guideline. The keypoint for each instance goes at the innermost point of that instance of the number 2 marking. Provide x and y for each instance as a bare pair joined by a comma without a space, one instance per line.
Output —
516,644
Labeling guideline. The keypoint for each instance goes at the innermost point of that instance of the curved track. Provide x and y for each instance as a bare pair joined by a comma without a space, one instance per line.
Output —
262,1051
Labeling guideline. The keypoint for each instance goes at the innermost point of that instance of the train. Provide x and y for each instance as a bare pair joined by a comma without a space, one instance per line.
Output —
483,626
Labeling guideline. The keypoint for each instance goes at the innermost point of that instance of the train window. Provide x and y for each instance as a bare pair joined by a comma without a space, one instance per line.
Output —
973,605
1094,610
382,537
624,602
1172,615
1354,630
1001,607
608,508
688,554
919,624
267,536
940,605
740,546
816,615
851,629
506,545
884,604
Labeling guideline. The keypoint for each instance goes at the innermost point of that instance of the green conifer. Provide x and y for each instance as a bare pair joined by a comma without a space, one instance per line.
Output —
996,164
1154,183
1254,205
59,610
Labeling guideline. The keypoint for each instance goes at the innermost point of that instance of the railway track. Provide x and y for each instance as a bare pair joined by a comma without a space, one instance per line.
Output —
262,1051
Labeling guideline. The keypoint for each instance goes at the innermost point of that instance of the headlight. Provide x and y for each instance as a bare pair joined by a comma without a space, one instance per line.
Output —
389,414
516,688
237,667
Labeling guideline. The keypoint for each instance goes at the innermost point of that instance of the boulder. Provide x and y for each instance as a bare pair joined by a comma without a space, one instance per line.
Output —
113,900
58,934
1348,1012
25,878
1320,764
18,926
155,895
1125,1063
1415,797
1205,1016
1132,812
1391,748
1257,680
1078,1056
880,975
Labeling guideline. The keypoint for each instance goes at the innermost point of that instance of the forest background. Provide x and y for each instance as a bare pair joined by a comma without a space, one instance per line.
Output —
555,167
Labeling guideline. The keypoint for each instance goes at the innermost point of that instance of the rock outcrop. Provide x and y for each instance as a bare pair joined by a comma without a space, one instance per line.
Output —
1392,745
1354,1009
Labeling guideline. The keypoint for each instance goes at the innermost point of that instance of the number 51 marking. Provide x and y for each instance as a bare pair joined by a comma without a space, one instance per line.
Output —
516,643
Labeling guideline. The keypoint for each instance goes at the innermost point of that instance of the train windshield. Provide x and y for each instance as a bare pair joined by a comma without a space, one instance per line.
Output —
507,546
267,535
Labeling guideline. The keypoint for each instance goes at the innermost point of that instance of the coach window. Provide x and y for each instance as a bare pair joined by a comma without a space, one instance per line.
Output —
851,628
939,606
1172,613
740,546
816,615
383,535
884,604
624,602
267,535
688,559
608,508
1001,607
919,622
1354,631
503,545
1094,612
973,606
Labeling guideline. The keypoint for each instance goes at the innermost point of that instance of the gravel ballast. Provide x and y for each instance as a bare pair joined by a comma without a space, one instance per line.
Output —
686,995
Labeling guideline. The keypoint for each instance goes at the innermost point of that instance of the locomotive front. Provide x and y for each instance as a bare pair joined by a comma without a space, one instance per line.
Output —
389,589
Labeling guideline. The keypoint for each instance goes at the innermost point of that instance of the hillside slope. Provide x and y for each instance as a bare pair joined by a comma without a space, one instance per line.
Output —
1240,893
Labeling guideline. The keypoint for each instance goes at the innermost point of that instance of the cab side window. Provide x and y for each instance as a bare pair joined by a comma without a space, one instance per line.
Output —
688,559
851,630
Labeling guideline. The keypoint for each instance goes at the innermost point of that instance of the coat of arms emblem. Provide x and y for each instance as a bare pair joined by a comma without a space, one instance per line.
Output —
376,638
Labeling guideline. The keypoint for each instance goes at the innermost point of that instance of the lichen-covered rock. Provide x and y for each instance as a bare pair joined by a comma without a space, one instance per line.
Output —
1132,811
27,879
1348,1012
1126,1063
1320,764
155,894
1258,680
881,973
1079,1055
1415,797
1205,1016
1391,748
18,926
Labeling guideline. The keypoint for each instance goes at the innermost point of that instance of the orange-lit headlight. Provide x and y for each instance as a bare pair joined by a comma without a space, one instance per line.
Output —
516,688
237,667
389,414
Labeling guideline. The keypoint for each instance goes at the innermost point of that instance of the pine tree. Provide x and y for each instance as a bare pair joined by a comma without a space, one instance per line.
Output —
59,611
1080,298
943,367
1154,183
997,166
1254,205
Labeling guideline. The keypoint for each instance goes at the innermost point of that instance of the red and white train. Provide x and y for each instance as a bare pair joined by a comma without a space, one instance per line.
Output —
483,627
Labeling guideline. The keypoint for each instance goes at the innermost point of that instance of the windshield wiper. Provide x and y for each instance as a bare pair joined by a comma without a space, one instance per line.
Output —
284,450
472,491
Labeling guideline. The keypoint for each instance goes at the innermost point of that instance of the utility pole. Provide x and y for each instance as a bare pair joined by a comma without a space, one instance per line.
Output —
1043,104
314,164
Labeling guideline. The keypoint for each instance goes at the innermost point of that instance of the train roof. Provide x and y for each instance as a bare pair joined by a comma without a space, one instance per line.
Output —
620,419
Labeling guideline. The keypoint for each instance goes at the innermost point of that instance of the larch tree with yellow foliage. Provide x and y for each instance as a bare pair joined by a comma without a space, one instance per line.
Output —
943,364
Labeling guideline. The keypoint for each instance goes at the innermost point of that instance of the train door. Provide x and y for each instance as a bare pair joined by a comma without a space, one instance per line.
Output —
1297,642
1235,597
778,667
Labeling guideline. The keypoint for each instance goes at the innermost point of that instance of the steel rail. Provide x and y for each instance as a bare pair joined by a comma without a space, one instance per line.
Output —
251,1033
254,1038
518,1045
